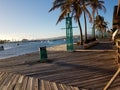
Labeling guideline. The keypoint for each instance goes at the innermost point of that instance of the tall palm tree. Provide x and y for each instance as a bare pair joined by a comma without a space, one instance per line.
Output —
76,13
84,5
69,6
96,5
100,24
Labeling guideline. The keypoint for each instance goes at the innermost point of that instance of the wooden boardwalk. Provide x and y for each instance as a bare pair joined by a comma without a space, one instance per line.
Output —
90,70
9,81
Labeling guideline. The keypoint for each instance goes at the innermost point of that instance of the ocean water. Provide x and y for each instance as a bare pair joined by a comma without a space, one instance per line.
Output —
13,49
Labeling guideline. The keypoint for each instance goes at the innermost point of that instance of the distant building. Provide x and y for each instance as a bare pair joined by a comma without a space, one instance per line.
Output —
25,40
118,9
116,17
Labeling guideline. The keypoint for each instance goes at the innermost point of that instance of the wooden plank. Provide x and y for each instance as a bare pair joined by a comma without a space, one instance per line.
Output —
10,81
61,87
24,85
29,83
53,86
20,80
18,86
7,81
35,84
1,74
65,87
42,86
14,81
47,85
3,78
76,88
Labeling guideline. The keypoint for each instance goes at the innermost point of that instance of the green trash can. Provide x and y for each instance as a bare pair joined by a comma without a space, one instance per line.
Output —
43,54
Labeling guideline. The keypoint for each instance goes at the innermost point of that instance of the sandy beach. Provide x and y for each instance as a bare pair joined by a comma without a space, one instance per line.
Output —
88,69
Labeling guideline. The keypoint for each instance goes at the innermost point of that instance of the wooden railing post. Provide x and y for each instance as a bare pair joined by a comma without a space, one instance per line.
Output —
118,62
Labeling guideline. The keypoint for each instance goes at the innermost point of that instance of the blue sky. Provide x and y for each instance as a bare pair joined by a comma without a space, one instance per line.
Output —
29,19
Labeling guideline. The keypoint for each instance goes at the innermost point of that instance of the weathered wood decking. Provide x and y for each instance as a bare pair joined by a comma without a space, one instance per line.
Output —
9,81
83,69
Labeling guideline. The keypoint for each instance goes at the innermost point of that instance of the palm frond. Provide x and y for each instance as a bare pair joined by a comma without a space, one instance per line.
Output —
89,15
62,16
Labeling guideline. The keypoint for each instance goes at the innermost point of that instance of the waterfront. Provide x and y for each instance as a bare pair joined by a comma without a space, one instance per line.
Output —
89,69
20,48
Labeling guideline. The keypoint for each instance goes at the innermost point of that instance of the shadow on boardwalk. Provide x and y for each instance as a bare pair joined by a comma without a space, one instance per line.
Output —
103,46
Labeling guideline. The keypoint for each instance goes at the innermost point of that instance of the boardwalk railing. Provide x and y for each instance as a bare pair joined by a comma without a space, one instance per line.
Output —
118,62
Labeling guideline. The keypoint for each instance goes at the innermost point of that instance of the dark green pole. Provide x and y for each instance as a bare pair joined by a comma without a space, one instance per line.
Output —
69,33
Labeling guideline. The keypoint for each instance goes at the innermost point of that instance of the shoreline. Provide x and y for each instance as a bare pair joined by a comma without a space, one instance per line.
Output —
62,47
54,48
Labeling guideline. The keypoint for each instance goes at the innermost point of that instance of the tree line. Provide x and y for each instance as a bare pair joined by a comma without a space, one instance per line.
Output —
77,8
4,41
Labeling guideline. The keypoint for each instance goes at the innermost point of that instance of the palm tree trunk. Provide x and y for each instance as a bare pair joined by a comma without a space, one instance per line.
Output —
85,27
102,34
81,35
93,28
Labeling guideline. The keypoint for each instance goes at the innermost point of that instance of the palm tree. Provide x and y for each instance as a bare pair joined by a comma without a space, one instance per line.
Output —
96,5
69,6
100,24
85,11
76,13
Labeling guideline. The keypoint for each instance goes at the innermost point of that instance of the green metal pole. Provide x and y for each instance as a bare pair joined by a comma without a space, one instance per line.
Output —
69,33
